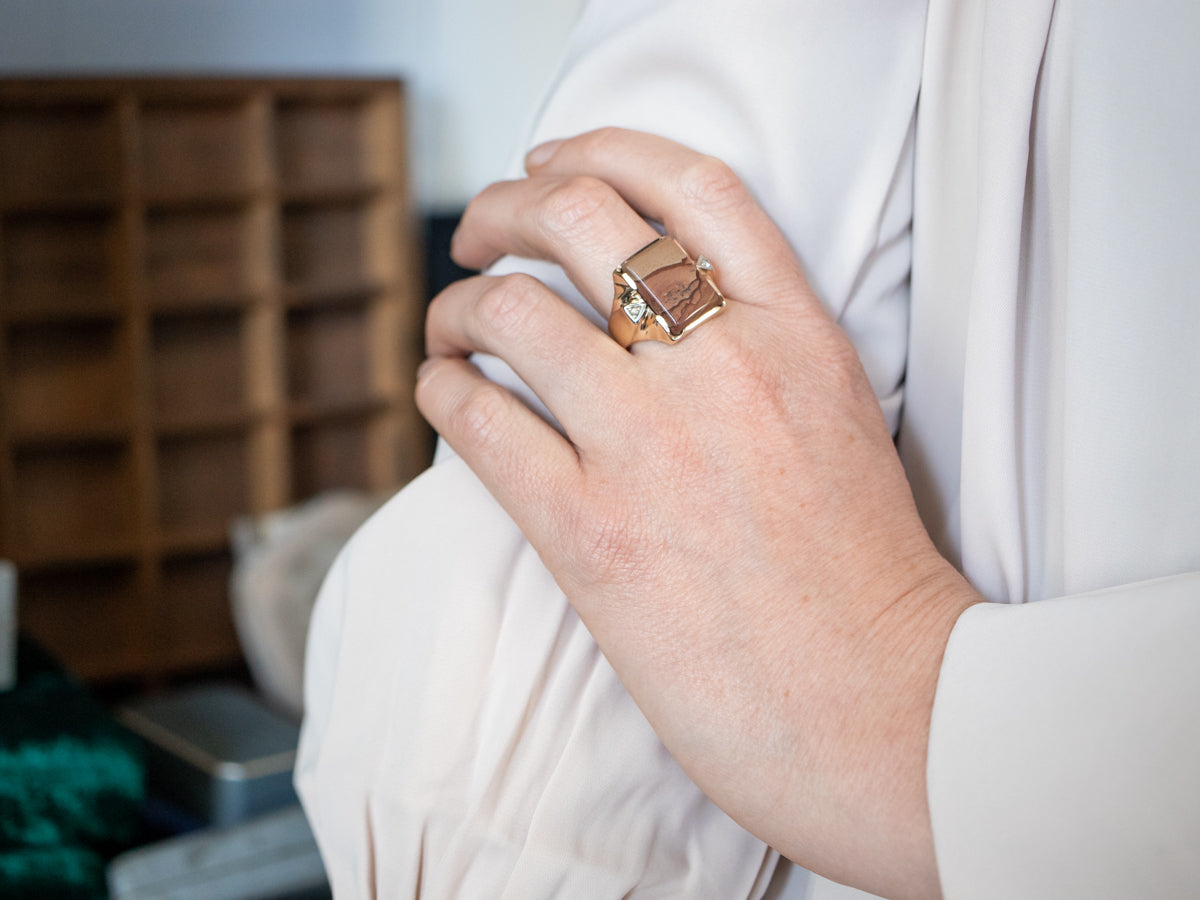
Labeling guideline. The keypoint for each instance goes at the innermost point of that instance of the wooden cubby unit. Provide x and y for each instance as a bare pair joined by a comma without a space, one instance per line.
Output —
210,305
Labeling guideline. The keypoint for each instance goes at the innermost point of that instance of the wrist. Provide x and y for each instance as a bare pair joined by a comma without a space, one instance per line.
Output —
862,731
901,658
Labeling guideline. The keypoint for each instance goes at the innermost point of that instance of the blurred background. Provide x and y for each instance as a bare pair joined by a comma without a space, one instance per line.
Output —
220,223
475,70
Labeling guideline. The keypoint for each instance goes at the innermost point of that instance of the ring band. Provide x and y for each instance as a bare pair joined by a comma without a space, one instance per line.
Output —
661,294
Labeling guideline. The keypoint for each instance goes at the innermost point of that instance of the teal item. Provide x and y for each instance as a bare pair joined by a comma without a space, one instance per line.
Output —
71,784
47,873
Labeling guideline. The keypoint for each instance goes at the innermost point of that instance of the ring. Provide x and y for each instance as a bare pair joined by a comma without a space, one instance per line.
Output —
662,294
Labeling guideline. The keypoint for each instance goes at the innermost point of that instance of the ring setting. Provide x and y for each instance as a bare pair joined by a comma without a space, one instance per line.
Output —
662,294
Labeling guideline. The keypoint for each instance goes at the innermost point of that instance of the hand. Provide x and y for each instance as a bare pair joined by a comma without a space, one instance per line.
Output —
728,515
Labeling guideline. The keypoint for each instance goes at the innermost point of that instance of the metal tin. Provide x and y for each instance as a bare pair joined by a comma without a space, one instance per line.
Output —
8,625
216,752
274,856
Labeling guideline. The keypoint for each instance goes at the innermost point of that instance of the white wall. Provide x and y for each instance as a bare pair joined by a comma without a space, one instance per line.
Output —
476,68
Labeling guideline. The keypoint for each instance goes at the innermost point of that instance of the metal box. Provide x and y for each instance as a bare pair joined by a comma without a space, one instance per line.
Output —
8,625
216,752
273,856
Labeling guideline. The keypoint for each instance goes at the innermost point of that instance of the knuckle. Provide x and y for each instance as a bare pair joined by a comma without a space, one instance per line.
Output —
434,314
753,381
838,369
711,184
571,206
507,303
841,363
477,203
479,416
606,140
611,545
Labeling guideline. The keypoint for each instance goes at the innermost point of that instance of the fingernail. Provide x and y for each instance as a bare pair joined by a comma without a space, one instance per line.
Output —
540,155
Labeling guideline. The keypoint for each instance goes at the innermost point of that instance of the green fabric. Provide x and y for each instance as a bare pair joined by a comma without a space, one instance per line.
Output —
52,872
67,790
71,784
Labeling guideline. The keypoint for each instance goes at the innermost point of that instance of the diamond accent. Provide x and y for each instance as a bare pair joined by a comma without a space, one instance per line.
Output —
704,264
634,308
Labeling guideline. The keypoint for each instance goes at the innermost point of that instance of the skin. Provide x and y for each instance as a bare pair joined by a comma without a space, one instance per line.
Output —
728,515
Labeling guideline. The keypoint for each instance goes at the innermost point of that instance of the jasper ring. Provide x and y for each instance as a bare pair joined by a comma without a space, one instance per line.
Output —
662,294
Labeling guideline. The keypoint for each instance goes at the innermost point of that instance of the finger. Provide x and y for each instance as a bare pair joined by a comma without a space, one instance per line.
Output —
525,464
699,199
561,356
580,223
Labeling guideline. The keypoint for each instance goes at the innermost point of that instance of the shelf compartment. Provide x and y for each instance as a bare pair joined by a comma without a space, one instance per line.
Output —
339,295
101,550
72,501
324,247
195,616
72,435
57,266
196,257
327,355
322,146
196,151
203,482
195,612
332,410
298,198
67,378
331,454
59,156
187,423
202,539
198,367
88,616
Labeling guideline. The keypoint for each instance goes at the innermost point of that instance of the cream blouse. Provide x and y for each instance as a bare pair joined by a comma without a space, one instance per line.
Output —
1000,201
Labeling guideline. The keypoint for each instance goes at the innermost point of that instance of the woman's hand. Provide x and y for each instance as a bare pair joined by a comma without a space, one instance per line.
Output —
728,514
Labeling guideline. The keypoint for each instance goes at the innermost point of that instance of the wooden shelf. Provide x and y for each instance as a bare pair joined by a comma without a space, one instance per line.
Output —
196,254
72,496
198,367
98,202
63,157
196,629
329,146
78,310
79,554
56,265
304,197
90,616
208,308
193,541
330,454
67,377
187,423
204,481
312,296
314,413
166,202
197,150
71,434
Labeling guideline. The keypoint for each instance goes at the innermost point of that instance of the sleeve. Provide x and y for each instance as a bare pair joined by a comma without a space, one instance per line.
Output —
463,734
1084,708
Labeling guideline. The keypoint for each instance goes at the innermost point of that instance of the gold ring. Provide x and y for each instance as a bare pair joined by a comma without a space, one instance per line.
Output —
662,294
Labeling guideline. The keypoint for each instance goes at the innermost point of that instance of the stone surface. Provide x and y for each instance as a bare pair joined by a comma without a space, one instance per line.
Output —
675,288
677,293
